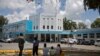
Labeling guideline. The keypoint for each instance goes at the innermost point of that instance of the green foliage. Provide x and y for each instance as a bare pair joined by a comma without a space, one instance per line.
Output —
81,25
3,21
92,4
96,23
69,24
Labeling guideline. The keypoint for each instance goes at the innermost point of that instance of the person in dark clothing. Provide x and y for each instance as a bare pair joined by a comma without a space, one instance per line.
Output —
21,42
35,47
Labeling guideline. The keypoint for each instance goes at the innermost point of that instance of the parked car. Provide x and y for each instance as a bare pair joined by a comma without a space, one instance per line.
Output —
63,40
92,42
97,42
75,41
86,43
9,40
1,40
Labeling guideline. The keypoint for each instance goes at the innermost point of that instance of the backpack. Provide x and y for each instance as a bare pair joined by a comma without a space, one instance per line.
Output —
36,43
52,52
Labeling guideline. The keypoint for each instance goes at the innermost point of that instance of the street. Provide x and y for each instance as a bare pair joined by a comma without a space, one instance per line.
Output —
14,46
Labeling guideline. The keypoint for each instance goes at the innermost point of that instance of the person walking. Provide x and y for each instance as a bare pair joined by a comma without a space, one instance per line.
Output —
52,51
35,47
58,50
45,50
21,42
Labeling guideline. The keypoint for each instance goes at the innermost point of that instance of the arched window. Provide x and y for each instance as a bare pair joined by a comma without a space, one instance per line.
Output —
47,27
43,26
36,27
43,18
58,27
52,27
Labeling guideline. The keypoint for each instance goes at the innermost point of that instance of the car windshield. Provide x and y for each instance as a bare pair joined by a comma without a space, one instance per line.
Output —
98,41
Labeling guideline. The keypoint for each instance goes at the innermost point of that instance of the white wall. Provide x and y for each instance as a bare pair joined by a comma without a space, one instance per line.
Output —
43,19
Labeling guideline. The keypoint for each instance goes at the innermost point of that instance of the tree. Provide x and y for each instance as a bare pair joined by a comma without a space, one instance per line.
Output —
96,23
69,24
3,21
92,4
81,25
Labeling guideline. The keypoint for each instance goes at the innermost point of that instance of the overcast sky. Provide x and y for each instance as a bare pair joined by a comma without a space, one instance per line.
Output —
16,10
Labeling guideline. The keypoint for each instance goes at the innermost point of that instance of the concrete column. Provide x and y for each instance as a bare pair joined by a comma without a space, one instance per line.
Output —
95,36
81,36
88,37
50,38
56,37
59,36
74,36
39,37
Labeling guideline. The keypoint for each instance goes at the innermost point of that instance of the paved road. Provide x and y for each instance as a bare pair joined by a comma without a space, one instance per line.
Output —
4,46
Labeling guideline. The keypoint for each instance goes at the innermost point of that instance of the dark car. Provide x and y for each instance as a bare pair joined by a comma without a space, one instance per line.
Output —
2,40
86,43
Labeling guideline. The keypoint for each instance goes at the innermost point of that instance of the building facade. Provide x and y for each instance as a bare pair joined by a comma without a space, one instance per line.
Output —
47,26
13,29
27,28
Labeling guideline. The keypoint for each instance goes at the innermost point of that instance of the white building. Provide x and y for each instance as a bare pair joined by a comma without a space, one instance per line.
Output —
49,19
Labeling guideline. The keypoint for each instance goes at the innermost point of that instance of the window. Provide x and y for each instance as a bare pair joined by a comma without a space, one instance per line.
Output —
91,35
36,27
58,19
47,18
79,35
47,27
51,18
43,37
85,36
52,27
98,35
43,26
58,27
43,18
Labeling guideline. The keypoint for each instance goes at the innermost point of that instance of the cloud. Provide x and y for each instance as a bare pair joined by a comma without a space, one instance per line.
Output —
88,23
13,4
74,8
25,9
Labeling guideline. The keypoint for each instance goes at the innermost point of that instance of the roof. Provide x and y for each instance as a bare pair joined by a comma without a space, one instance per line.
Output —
15,23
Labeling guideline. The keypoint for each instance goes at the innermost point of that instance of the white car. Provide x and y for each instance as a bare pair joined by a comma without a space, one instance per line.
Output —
72,40
75,40
63,40
97,42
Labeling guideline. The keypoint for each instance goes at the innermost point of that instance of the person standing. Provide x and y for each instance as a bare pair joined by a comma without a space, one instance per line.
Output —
58,50
21,42
45,50
52,51
35,47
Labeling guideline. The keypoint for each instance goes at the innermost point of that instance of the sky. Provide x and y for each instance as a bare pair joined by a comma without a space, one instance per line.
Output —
16,10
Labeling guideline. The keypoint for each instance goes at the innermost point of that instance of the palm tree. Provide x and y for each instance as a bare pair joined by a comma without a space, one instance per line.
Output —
96,23
69,24
81,25
92,4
